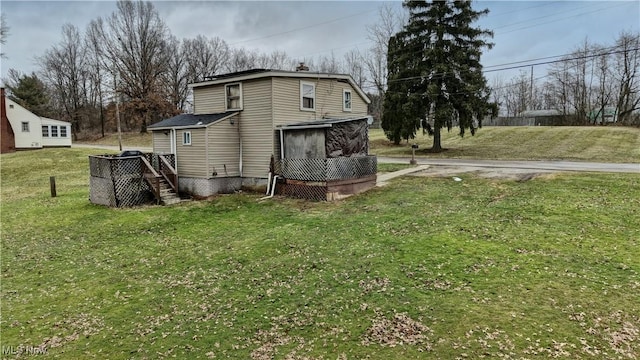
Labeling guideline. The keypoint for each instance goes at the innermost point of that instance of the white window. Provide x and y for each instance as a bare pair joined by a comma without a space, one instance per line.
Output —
307,96
186,138
25,126
45,130
346,100
63,131
234,96
54,131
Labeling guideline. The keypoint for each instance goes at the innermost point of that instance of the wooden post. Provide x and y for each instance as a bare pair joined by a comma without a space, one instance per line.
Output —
52,183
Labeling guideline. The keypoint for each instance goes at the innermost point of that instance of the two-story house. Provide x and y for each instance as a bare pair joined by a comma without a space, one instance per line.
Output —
231,136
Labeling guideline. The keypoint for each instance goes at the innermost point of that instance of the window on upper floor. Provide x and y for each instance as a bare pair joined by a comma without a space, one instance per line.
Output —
307,96
25,126
45,130
234,96
346,100
186,138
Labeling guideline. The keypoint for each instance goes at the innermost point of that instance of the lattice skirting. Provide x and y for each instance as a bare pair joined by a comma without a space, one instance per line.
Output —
327,169
122,191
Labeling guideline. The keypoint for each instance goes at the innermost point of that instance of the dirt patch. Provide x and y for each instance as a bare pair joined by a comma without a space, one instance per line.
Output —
486,172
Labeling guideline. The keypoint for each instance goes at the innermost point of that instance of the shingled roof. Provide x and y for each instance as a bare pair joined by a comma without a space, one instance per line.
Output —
191,120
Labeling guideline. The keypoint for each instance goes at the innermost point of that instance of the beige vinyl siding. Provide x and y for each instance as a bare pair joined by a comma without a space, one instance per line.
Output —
224,149
256,128
208,99
286,101
161,142
192,160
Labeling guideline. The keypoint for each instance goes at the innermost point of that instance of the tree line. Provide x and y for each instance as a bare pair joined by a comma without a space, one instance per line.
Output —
131,59
130,62
583,83
436,79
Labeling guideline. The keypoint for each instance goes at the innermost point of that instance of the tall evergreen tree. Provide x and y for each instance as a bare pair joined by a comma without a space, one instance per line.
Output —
28,91
435,72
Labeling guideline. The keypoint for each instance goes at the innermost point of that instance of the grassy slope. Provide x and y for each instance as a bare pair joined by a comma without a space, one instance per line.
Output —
534,269
131,139
607,144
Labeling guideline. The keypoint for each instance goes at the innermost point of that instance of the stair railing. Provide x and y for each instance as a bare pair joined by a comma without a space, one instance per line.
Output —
152,177
168,172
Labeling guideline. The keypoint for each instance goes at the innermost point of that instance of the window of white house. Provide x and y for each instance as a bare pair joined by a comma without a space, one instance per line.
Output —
346,100
307,96
54,131
186,138
234,96
25,126
63,131
45,130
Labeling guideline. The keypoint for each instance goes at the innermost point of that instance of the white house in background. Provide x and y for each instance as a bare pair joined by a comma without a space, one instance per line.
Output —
34,132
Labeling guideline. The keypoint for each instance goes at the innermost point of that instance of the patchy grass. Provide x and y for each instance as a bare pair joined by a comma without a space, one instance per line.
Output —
423,268
129,139
599,144
385,168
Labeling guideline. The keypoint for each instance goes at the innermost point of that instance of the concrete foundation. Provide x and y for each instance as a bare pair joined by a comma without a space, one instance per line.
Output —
201,188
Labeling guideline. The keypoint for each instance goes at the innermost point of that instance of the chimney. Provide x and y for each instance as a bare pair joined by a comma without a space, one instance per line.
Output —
302,67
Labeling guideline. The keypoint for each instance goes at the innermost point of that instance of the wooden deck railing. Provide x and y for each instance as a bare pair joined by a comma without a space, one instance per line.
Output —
152,177
168,172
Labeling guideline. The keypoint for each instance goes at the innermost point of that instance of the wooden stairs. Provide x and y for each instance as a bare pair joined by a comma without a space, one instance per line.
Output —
168,196
164,182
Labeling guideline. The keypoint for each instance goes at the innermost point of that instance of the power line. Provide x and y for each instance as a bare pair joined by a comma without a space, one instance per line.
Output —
523,66
304,27
541,58
563,18
561,60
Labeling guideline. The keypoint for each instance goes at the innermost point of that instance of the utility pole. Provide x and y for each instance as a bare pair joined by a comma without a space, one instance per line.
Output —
115,82
531,90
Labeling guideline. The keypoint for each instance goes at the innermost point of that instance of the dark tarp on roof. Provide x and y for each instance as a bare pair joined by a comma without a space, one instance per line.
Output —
347,139
186,120
343,137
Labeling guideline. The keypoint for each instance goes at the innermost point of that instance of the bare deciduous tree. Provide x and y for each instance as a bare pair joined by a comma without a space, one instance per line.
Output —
134,40
205,57
354,66
4,32
627,66
177,76
389,23
329,64
64,68
241,59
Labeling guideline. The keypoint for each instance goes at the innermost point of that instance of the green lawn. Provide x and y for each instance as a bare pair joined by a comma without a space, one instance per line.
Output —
422,268
588,143
130,139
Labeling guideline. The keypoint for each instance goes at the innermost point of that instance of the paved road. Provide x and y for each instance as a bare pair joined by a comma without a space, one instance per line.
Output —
518,164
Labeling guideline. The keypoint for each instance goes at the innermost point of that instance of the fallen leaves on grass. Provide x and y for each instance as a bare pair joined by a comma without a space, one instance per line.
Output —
399,330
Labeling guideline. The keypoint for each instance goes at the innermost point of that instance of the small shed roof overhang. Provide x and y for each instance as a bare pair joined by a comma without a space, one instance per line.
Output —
190,121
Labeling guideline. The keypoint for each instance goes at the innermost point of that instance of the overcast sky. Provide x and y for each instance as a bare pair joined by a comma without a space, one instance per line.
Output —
523,30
